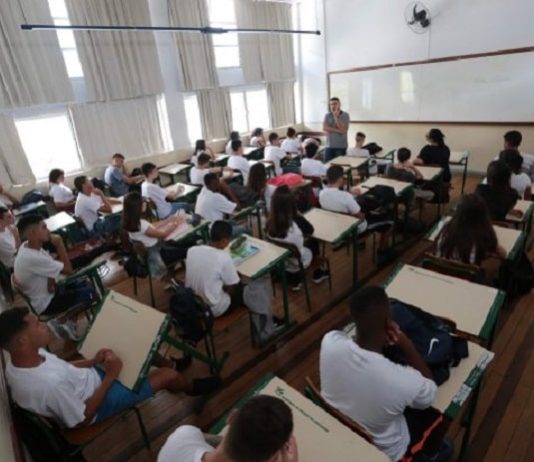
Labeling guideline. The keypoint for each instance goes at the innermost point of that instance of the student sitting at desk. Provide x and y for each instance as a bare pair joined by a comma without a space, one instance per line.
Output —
237,162
311,165
62,195
519,180
436,152
404,170
392,402
469,235
117,178
201,148
78,393
358,150
512,140
160,196
275,154
11,200
257,139
233,137
498,195
286,224
291,143
89,202
256,190
202,168
246,440
9,238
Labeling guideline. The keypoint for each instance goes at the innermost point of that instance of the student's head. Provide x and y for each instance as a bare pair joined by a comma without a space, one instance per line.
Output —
259,430
131,212
6,217
334,175
220,234
117,160
200,145
237,146
22,331
150,171
33,228
56,175
257,178
512,139
211,181
403,154
258,131
334,104
513,159
291,132
369,309
311,150
282,212
274,139
498,175
234,136
436,136
203,160
83,184
360,139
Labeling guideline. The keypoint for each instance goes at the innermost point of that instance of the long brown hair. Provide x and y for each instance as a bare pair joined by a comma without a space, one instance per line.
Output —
282,212
469,228
131,212
257,179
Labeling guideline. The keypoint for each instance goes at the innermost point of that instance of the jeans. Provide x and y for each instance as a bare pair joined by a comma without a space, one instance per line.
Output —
331,153
176,206
106,225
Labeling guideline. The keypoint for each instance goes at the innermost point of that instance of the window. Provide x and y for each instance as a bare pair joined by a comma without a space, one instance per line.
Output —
48,142
192,114
225,46
60,16
165,127
250,109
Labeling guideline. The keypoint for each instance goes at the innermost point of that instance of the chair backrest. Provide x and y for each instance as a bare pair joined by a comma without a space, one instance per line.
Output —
286,245
471,273
315,395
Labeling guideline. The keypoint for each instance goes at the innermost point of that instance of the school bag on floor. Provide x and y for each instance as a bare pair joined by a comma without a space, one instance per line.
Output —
431,338
187,315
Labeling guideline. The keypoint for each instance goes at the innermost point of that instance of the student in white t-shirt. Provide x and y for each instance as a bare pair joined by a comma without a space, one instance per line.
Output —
257,138
387,399
62,195
202,168
236,161
164,200
245,440
291,143
275,154
358,151
78,393
519,180
89,203
233,136
512,140
9,238
201,148
311,165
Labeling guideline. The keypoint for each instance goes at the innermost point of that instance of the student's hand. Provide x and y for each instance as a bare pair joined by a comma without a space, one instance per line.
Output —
112,364
290,451
56,240
355,191
98,192
101,355
392,332
516,213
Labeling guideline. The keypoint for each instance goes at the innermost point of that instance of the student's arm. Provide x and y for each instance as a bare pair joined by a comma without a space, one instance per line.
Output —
418,161
61,251
528,193
14,230
129,180
501,252
106,204
99,358
210,152
161,230
8,195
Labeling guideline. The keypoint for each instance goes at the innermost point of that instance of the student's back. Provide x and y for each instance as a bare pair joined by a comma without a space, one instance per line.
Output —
497,193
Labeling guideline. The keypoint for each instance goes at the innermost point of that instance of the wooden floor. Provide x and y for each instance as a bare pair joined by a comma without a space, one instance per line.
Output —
504,424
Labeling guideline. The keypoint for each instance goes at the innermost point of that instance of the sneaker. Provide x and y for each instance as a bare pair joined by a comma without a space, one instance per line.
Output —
205,386
181,364
319,275
296,287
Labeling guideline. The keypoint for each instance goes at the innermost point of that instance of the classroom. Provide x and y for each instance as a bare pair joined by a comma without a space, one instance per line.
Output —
266,230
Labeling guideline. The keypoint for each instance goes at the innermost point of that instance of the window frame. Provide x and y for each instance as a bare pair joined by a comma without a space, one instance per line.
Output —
244,91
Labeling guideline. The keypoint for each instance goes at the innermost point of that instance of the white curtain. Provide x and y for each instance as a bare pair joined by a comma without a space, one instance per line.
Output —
268,56
116,64
282,103
215,113
32,69
14,166
131,127
195,50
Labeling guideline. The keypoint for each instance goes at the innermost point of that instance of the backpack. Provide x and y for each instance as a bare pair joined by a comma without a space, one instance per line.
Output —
245,196
135,267
287,179
431,338
98,183
186,315
516,277
377,197
31,197
373,148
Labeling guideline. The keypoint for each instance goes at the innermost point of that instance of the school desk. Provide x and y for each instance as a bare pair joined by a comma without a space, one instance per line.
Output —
252,151
33,207
512,240
59,221
188,192
186,230
248,212
347,166
333,228
460,158
221,159
115,207
525,221
319,436
174,170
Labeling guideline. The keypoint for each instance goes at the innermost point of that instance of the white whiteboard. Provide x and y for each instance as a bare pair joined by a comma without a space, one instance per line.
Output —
488,89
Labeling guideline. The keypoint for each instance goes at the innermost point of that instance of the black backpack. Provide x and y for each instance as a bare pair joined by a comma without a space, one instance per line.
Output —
376,198
516,277
31,197
190,320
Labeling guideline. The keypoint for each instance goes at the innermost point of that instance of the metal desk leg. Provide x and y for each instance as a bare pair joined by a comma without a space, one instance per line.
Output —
355,258
467,423
258,219
465,174
282,271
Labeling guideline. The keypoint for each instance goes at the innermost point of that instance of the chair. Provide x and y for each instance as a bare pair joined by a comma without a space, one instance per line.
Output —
457,269
46,441
5,283
313,393
140,252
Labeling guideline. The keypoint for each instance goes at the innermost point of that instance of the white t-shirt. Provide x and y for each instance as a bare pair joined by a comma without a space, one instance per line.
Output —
275,154
255,141
212,205
372,390
61,193
141,235
228,148
185,444
291,145
295,237
357,152
241,164
528,164
335,200
208,270
54,389
312,167
196,175
32,269
8,247
158,196
520,182
86,209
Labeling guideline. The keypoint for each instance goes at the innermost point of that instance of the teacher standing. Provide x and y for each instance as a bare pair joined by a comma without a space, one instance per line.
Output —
336,125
